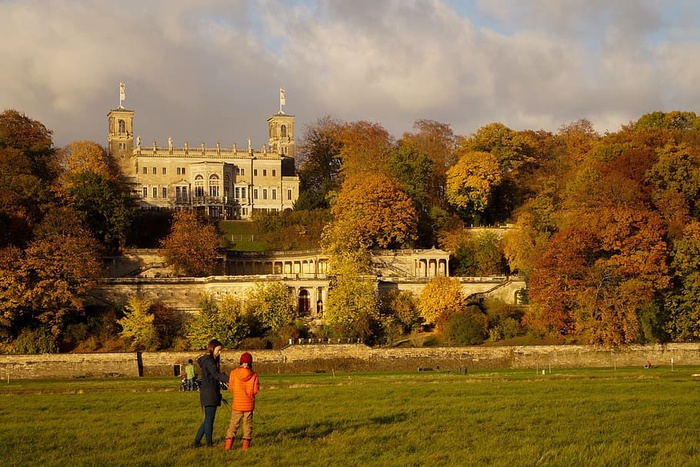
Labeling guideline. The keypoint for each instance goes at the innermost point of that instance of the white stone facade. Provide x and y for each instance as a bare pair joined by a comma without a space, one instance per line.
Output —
222,182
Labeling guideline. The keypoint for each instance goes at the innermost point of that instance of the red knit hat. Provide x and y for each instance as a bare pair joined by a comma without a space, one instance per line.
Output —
247,358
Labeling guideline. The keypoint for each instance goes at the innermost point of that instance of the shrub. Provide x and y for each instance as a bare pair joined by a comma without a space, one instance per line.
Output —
469,327
35,341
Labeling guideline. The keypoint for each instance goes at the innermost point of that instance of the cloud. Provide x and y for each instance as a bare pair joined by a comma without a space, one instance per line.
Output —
209,70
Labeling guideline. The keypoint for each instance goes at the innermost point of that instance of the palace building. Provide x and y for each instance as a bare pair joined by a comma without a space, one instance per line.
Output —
222,182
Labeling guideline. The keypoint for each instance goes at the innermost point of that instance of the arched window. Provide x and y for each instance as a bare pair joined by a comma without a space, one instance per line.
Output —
214,185
122,127
199,186
304,303
283,131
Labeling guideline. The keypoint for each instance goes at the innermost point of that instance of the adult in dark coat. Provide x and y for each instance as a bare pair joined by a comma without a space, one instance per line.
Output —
210,392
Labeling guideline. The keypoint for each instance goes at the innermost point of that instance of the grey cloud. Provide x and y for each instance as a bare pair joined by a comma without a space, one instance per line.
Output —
210,70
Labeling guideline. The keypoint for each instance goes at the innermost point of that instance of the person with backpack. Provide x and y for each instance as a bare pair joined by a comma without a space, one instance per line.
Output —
244,384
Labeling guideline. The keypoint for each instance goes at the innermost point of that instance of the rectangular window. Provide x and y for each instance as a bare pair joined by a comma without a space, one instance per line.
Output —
238,192
255,172
164,171
289,194
145,170
177,192
155,170
274,194
183,171
264,172
255,193
243,193
242,171
274,173
264,193
145,192
165,192
155,192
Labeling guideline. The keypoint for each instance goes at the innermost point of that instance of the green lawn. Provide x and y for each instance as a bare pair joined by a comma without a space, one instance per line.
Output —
240,236
625,417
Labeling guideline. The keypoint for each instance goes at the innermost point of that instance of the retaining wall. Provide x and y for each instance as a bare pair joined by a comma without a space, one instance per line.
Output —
348,357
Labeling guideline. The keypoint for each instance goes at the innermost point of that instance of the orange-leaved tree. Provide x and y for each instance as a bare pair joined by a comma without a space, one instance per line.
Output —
191,246
370,212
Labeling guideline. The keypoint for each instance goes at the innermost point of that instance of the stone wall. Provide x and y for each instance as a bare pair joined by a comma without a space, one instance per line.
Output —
349,357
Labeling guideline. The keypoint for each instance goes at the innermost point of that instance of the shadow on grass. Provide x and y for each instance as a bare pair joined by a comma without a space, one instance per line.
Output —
318,430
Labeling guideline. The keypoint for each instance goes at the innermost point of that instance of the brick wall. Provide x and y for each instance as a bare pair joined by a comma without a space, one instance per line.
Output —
348,357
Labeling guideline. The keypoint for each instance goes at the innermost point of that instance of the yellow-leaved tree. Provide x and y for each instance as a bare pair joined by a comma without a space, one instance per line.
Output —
441,298
471,180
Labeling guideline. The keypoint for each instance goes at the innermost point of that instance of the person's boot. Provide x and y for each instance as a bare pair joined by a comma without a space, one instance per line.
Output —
246,444
228,444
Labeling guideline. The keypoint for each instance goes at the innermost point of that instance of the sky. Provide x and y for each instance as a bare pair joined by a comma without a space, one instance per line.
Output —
210,70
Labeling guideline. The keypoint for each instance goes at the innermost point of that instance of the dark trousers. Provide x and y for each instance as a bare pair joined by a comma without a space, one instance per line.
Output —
207,426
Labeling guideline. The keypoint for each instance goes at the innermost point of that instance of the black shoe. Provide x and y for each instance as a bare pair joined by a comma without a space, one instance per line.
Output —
196,444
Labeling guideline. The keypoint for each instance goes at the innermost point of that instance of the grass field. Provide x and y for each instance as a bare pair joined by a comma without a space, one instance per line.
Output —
591,417
240,236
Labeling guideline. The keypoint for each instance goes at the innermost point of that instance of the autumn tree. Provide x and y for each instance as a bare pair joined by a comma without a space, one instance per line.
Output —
440,299
138,330
44,284
370,212
470,183
85,156
366,149
191,246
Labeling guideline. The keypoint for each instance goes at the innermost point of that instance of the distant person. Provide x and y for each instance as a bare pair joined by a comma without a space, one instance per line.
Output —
244,384
210,392
189,375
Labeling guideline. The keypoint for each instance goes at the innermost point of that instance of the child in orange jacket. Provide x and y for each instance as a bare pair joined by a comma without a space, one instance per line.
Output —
244,384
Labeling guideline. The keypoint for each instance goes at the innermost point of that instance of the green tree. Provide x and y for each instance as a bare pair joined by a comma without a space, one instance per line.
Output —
271,304
466,327
402,307
107,206
683,303
191,246
224,320
28,168
319,162
352,308
137,325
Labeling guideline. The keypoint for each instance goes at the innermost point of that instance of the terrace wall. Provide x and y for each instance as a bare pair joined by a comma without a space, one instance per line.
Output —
329,357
